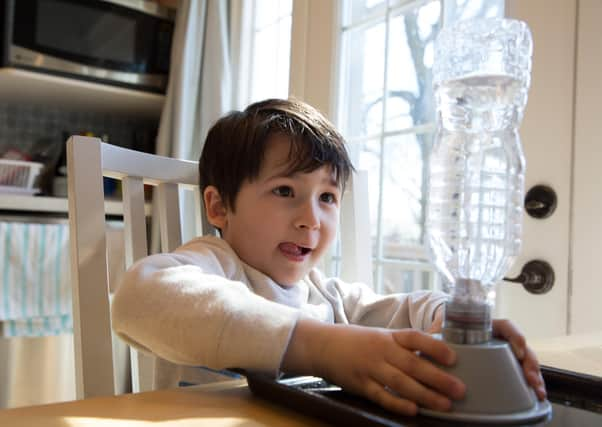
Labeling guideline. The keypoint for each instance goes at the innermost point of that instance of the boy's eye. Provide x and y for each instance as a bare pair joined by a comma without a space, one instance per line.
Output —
283,191
328,198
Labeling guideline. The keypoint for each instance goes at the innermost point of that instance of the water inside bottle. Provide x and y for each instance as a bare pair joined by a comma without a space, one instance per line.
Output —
482,103
476,179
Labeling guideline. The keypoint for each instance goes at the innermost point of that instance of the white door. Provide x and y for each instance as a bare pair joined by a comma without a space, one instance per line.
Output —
560,137
547,138
585,291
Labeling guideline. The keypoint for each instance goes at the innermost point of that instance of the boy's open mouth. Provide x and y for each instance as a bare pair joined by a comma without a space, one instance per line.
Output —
293,249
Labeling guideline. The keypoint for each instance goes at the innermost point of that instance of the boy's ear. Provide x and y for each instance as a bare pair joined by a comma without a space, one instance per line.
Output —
215,207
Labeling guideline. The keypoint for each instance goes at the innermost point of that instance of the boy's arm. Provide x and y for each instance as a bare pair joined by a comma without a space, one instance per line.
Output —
379,364
183,313
363,306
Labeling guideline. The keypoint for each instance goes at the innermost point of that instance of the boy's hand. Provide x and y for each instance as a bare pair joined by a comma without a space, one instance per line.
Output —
437,322
380,364
505,329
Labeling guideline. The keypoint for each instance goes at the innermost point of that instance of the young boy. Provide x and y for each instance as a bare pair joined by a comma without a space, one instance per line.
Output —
272,179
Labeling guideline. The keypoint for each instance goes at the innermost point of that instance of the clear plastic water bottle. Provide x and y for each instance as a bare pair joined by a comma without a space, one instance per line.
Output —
477,168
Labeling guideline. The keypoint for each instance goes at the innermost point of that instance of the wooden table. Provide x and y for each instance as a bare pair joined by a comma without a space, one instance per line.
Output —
228,404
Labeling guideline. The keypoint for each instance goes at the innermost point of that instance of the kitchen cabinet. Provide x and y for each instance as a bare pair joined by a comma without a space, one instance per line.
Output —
39,368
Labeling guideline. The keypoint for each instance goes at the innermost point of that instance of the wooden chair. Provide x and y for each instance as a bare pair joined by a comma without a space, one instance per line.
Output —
88,160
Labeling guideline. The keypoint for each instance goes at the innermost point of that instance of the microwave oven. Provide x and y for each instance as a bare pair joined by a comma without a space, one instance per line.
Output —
119,42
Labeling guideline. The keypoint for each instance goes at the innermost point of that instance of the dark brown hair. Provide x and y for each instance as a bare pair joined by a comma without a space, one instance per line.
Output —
235,145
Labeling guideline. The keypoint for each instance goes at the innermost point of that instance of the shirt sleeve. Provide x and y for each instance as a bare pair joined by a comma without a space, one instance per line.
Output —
184,310
363,306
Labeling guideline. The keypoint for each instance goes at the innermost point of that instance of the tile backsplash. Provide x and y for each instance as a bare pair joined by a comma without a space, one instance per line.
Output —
24,126
30,132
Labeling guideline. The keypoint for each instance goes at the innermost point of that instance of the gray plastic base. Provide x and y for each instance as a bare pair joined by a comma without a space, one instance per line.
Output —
496,390
540,411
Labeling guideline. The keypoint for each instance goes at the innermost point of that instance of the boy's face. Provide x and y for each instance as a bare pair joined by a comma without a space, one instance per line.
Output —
282,225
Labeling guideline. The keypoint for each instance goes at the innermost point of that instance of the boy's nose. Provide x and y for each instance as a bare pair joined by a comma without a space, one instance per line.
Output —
308,216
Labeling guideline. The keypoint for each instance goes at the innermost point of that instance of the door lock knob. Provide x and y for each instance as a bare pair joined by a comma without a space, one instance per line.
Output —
540,201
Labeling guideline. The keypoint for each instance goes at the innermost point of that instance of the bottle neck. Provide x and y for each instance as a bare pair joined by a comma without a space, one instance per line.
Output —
467,320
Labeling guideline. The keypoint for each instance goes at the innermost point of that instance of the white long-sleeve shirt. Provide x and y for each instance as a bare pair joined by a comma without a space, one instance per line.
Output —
202,306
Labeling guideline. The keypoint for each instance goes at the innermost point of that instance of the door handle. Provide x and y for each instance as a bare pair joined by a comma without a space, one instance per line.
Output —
537,277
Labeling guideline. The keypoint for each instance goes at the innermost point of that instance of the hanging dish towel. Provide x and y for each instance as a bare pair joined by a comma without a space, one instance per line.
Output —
35,294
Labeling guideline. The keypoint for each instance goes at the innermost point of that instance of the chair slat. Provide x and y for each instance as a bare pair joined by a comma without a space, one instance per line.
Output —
134,220
89,277
136,247
201,224
169,217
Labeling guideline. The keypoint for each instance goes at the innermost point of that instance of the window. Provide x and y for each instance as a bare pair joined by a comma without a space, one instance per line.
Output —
384,100
386,111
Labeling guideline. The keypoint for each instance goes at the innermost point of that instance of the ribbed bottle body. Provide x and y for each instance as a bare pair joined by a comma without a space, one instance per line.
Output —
476,179
475,196
474,212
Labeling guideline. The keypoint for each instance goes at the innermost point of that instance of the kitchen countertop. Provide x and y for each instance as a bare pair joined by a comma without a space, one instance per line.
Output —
577,353
57,205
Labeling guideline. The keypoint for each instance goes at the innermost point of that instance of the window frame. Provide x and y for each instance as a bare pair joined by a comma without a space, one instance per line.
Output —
315,58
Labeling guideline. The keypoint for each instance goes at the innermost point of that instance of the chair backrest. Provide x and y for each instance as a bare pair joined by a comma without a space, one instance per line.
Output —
88,160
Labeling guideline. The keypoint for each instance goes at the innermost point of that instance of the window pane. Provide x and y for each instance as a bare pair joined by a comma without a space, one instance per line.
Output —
358,10
466,9
363,79
403,189
369,160
401,278
410,99
271,49
398,35
268,12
